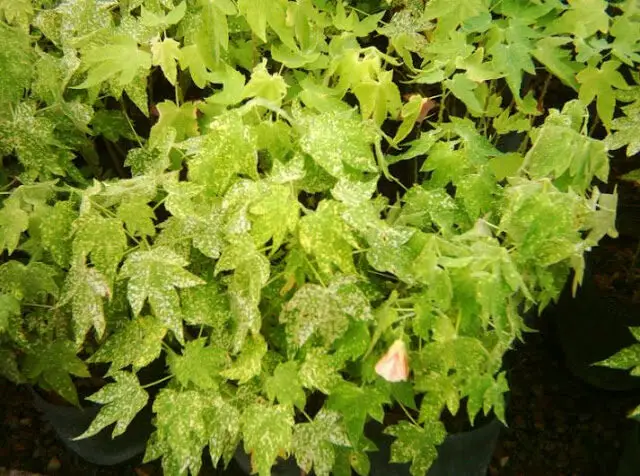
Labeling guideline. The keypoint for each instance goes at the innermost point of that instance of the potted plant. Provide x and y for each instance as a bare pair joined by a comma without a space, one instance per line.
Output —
309,218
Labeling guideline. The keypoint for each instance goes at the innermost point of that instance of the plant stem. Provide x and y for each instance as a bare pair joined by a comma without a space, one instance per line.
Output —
157,381
406,412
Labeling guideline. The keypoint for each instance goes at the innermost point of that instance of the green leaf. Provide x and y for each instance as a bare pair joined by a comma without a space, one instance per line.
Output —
583,19
379,99
153,275
486,393
271,87
199,364
463,88
625,131
251,273
275,214
120,60
137,216
16,63
166,54
163,20
513,57
52,363
285,386
9,367
266,432
416,444
9,308
557,60
599,84
324,311
224,432
186,421
13,222
313,442
355,404
335,140
326,236
138,344
227,150
319,371
191,59
85,288
182,118
28,283
101,239
122,401
256,14
249,362
625,359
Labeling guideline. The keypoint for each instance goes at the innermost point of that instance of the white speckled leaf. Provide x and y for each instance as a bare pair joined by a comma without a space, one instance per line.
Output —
313,442
102,239
319,371
251,272
122,401
227,150
249,362
13,222
138,344
275,214
325,311
266,431
337,139
55,231
225,430
85,288
52,363
327,237
416,444
184,425
153,275
9,366
199,364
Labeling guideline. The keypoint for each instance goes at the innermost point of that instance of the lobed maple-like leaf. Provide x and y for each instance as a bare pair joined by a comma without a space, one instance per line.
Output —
325,235
486,393
599,84
16,65
29,282
336,140
85,288
51,363
102,240
319,371
138,343
249,362
199,364
186,421
416,444
325,312
13,222
314,442
154,275
121,60
122,401
355,404
285,385
266,432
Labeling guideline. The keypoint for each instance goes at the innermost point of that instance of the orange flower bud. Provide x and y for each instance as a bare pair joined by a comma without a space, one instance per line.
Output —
394,365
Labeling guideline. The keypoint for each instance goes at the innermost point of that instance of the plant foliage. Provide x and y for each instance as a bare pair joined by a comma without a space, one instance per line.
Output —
269,193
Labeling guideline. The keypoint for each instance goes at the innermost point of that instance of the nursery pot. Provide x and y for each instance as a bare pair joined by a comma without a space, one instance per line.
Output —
592,327
461,454
630,459
70,422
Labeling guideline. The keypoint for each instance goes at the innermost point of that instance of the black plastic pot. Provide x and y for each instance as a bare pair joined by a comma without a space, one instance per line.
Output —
630,461
592,327
70,422
461,454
